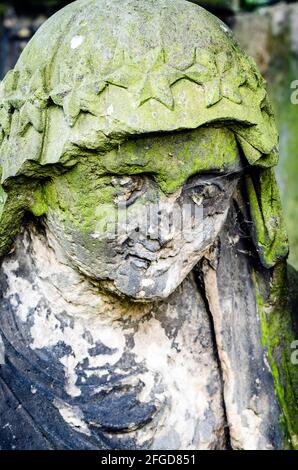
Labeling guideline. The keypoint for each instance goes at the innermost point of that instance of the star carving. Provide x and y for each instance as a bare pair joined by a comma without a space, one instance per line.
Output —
35,102
79,91
253,77
7,88
76,98
219,75
149,77
5,119
28,96
80,95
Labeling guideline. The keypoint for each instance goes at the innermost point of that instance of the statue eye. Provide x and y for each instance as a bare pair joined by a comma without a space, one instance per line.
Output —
127,189
197,199
203,192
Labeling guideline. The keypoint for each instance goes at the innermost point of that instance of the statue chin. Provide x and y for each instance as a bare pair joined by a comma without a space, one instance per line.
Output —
141,281
138,287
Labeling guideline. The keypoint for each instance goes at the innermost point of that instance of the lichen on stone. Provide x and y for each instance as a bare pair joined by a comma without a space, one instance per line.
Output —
277,328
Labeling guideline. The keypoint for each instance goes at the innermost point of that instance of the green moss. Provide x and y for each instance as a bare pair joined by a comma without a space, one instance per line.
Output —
80,198
269,231
85,195
39,206
173,158
3,199
277,336
16,201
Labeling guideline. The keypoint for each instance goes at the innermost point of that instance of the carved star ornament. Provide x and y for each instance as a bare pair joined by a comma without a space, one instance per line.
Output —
148,77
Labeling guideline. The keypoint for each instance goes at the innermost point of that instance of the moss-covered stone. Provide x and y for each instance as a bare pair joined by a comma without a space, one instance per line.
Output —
278,319
269,231
73,91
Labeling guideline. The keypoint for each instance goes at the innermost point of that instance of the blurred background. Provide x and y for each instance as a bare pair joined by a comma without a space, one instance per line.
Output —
266,29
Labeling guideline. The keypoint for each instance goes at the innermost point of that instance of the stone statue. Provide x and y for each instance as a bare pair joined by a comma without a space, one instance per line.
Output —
143,276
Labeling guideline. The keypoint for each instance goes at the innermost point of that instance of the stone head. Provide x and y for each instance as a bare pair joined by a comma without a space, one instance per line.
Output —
126,130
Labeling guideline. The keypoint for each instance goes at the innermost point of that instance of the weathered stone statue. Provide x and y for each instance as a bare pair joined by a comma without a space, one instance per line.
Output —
143,277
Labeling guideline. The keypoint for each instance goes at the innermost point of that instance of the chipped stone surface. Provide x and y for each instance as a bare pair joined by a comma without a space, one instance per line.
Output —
251,405
72,416
144,361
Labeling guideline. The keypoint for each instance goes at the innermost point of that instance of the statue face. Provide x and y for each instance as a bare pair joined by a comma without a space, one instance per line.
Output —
138,223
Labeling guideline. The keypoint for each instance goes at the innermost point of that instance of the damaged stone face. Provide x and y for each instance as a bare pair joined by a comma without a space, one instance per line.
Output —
141,237
141,233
